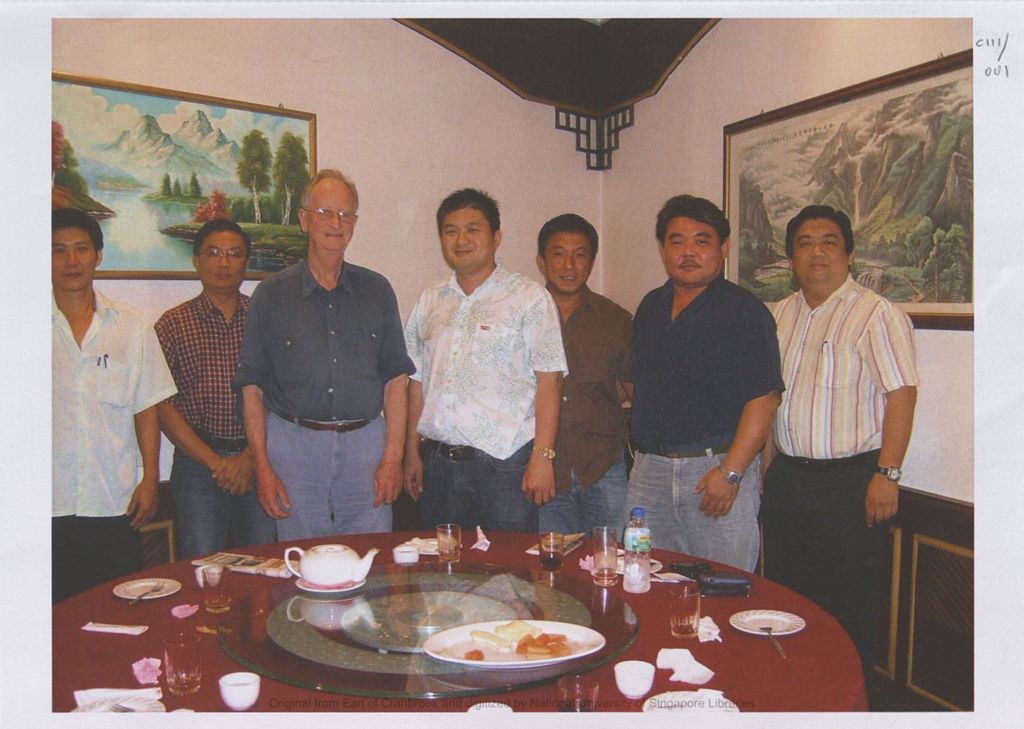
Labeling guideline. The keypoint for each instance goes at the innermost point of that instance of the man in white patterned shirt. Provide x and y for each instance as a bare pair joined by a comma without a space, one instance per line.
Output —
483,404
841,431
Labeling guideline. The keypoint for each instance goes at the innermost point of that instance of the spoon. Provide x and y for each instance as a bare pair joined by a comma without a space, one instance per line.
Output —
154,588
767,629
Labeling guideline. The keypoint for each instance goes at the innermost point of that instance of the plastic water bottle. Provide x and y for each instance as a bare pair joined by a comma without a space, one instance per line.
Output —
636,567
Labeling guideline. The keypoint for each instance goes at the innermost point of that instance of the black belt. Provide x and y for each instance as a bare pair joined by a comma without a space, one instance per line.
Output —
232,445
682,451
339,426
824,464
453,452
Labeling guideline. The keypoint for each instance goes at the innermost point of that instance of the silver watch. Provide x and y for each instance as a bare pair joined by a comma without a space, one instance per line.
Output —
893,473
731,476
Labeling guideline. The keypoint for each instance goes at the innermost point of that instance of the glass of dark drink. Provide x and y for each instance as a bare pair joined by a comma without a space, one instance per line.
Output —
551,549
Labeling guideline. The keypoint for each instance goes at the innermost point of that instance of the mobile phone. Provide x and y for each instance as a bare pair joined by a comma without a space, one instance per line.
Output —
690,569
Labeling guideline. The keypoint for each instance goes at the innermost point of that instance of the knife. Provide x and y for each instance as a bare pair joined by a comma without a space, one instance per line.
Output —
767,629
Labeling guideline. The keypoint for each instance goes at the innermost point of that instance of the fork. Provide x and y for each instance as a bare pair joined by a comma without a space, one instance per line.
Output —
768,630
154,588
121,709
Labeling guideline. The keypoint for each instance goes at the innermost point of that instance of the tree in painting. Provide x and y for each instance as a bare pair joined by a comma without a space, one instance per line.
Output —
254,167
291,171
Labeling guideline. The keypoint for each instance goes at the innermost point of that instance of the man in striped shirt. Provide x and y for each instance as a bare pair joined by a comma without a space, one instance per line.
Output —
841,430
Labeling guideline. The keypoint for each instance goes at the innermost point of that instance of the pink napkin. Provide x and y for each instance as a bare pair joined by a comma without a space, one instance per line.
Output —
482,542
146,670
184,611
587,563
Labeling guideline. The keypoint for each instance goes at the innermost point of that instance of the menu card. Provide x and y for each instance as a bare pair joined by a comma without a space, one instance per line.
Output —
253,565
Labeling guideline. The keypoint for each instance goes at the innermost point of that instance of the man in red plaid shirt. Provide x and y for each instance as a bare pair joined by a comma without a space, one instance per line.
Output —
211,479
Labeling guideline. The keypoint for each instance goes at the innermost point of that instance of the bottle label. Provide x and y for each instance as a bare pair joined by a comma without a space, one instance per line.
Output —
637,539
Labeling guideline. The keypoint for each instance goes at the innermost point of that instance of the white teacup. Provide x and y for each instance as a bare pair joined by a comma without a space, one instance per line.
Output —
239,690
634,678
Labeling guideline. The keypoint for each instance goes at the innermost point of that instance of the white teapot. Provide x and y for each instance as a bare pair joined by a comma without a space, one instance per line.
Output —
330,565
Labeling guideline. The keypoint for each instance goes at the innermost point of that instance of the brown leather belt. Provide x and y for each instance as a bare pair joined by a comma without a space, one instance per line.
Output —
340,426
232,445
453,452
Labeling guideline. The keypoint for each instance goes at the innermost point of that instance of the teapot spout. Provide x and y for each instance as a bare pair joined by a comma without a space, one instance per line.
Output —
364,564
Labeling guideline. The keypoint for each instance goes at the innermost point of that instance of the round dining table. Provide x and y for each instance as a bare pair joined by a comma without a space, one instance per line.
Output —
265,631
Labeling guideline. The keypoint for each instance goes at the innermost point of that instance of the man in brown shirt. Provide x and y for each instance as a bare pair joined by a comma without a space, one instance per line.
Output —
590,473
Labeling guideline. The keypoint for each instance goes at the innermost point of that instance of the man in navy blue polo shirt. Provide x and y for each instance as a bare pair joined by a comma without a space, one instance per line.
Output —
706,380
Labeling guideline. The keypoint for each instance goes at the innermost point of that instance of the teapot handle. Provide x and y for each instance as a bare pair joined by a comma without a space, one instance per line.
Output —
288,610
287,562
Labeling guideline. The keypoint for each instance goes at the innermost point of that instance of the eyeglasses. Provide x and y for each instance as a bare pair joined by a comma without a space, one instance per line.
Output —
326,214
233,254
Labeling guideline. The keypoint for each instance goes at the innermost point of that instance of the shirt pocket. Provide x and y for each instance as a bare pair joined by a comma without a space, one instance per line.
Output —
838,367
291,361
368,341
494,345
113,384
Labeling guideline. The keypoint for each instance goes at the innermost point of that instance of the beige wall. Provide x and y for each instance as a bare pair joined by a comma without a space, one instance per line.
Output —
412,126
739,69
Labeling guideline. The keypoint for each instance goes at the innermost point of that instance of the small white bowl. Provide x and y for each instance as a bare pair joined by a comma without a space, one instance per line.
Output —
634,678
239,690
406,554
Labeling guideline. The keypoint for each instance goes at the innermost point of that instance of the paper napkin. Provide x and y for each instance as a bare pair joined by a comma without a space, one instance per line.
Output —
708,630
184,610
88,696
119,629
146,670
685,667
482,542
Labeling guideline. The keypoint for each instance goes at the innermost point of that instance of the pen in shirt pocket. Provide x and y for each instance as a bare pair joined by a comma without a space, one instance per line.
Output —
102,361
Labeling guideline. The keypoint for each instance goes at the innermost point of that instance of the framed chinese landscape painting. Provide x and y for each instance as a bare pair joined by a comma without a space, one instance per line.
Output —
151,165
896,154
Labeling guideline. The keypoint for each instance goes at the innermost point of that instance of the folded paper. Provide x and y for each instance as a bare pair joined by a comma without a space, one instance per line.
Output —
685,667
112,628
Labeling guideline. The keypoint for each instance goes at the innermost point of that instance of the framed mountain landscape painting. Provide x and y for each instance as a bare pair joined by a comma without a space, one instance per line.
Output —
152,165
896,154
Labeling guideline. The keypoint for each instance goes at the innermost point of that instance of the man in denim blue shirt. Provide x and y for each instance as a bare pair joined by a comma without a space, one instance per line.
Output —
322,355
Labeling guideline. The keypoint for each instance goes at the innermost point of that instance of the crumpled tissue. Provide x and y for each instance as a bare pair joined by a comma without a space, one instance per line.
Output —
685,667
482,542
147,670
184,610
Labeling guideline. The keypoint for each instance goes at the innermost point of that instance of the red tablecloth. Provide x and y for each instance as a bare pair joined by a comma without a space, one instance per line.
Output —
822,672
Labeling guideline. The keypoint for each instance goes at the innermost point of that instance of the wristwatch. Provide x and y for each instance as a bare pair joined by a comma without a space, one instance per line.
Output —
893,473
548,453
731,476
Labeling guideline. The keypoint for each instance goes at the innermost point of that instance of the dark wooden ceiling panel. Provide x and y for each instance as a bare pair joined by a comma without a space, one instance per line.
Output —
569,63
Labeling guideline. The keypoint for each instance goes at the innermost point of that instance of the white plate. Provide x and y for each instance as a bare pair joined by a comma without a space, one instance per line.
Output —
451,645
655,564
327,589
134,703
751,621
133,588
426,547
701,700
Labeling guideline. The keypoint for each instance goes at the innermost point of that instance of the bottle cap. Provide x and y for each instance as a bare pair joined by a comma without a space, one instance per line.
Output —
638,511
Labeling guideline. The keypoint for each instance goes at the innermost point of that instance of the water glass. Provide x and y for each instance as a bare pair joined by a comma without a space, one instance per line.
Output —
577,692
684,609
182,668
604,542
215,583
449,542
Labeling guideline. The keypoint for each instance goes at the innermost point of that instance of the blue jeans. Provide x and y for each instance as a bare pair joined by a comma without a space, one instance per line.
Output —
582,509
328,477
484,491
664,487
206,513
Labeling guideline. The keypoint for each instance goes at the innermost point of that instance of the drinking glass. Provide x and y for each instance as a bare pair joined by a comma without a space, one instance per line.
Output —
684,609
449,542
604,543
551,548
577,692
214,582
182,667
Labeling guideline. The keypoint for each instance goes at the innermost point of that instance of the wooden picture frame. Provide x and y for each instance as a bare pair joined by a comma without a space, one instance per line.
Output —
151,164
896,154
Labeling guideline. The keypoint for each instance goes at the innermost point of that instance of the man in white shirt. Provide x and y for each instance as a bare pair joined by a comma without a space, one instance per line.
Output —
108,375
483,404
841,430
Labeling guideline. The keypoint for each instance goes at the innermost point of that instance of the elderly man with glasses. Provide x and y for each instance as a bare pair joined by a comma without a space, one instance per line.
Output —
322,356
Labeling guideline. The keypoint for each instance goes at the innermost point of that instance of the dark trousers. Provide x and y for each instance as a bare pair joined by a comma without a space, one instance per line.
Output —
482,491
816,542
88,551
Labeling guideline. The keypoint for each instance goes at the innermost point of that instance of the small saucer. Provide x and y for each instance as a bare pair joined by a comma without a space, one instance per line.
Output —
342,589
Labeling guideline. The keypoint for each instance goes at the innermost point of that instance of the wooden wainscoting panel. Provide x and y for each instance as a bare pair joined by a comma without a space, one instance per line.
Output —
940,653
